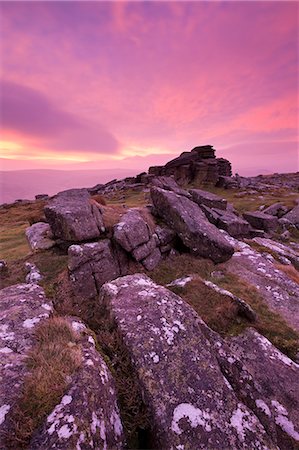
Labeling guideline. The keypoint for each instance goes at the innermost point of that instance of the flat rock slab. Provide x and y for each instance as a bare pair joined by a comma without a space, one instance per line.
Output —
191,225
22,307
40,236
261,221
87,416
191,404
285,251
207,198
74,217
277,289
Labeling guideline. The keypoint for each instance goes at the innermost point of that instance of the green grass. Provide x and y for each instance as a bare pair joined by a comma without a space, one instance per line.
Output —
13,242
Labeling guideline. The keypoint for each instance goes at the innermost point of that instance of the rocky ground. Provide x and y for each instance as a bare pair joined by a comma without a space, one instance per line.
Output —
157,312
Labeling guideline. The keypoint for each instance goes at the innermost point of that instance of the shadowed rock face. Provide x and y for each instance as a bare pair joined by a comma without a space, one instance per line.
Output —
22,307
190,223
191,403
293,216
74,217
91,265
88,414
261,221
206,198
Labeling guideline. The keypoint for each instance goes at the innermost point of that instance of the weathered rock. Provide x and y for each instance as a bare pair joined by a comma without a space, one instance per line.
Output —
41,196
165,235
280,249
74,217
234,225
199,165
169,184
207,198
144,250
87,415
152,260
261,221
132,231
190,402
91,265
277,209
21,307
40,236
259,270
293,216
267,381
190,223
33,274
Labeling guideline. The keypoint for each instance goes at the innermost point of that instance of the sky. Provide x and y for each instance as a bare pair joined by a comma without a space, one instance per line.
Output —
100,85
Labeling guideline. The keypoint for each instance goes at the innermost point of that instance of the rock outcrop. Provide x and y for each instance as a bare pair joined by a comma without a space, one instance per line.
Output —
74,217
199,165
261,220
191,225
196,408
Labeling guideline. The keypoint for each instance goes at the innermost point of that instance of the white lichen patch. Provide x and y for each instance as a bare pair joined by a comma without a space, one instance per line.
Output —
91,341
274,353
3,411
181,282
195,416
242,420
154,357
283,421
5,334
47,307
263,406
77,326
64,432
30,323
6,350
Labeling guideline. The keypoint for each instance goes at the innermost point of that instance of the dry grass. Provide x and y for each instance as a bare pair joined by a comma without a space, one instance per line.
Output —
109,344
99,199
129,197
269,323
290,271
55,356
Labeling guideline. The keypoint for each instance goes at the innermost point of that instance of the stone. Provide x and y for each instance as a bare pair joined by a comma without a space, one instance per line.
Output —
207,198
293,216
169,184
152,260
40,236
88,414
280,249
258,270
191,404
33,274
131,231
277,209
91,265
144,250
74,217
41,196
22,307
191,225
261,221
234,225
267,381
165,235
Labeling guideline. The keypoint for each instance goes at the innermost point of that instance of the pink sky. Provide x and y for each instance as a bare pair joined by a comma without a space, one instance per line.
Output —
128,85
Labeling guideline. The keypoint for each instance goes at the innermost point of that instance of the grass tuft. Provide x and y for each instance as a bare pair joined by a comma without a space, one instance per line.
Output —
55,356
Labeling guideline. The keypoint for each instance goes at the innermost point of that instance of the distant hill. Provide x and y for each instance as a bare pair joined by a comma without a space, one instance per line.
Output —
25,184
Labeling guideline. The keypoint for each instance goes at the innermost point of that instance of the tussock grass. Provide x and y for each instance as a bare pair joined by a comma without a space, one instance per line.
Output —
100,199
217,311
55,356
269,323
